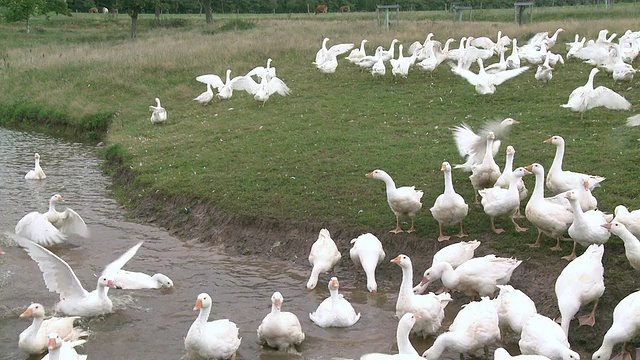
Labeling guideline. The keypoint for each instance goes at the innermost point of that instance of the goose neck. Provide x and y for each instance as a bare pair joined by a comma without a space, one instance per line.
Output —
508,165
449,277
556,166
448,183
203,315
577,210
335,297
406,287
402,338
274,309
538,190
488,154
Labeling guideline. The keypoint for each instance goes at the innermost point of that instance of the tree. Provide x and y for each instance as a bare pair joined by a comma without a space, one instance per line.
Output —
133,8
207,10
23,10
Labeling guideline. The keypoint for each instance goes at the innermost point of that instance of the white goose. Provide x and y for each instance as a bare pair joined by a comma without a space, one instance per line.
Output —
626,322
477,276
475,327
261,92
405,349
586,97
366,251
497,201
485,174
486,83
158,113
205,97
401,65
211,339
379,68
543,336
545,71
449,207
389,54
424,45
631,242
456,54
51,227
500,66
37,173
580,282
430,307
472,146
60,278
560,181
505,178
366,62
261,71
513,60
225,89
325,54
280,329
324,255
550,216
62,350
356,54
33,340
403,201
334,311
514,308
587,227
454,254
136,280
630,219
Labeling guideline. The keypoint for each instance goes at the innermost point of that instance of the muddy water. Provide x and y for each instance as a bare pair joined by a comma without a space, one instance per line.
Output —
152,324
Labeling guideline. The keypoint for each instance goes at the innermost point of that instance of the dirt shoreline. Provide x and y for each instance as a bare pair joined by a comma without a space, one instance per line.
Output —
193,219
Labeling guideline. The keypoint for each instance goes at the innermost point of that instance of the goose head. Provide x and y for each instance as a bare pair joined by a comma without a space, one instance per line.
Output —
446,167
324,43
202,302
56,198
535,168
36,156
508,122
103,281
571,195
163,280
277,300
555,140
36,310
510,150
520,172
402,260
54,341
334,284
157,102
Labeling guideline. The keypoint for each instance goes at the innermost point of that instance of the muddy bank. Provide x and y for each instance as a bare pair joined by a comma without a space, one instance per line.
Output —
291,241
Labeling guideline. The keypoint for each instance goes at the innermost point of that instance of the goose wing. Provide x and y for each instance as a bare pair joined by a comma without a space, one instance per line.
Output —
35,227
261,71
338,49
247,84
73,224
602,96
499,78
467,141
211,79
472,78
57,274
275,85
112,269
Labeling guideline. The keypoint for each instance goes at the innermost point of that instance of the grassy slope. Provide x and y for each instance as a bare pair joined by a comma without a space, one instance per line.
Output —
304,157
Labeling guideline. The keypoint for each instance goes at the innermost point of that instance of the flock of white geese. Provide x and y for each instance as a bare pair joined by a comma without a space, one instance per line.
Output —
572,209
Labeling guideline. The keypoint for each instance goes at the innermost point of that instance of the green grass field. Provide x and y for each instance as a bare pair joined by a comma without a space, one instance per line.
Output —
304,157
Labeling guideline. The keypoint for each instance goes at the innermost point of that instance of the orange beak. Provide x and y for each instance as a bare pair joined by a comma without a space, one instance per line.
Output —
198,305
529,168
444,167
606,226
111,284
567,195
369,175
26,313
418,317
586,185
335,283
51,344
527,172
396,260
548,141
278,303
424,281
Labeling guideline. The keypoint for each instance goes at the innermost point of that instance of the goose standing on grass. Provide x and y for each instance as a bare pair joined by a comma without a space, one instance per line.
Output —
456,54
625,328
485,84
33,340
389,54
485,174
505,178
51,227
261,92
356,54
430,307
366,251
631,243
62,350
472,146
401,65
586,97
324,256
543,336
325,54
36,173
379,68
158,113
560,181
225,89
261,71
403,201
514,308
449,207
587,227
581,282
211,339
513,60
205,97
545,71
334,311
405,348
454,254
280,329
550,216
497,201
60,278
474,277
630,219
499,66
366,62
475,327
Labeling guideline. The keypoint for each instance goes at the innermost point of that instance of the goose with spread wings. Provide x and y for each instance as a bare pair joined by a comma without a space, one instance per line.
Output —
486,83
